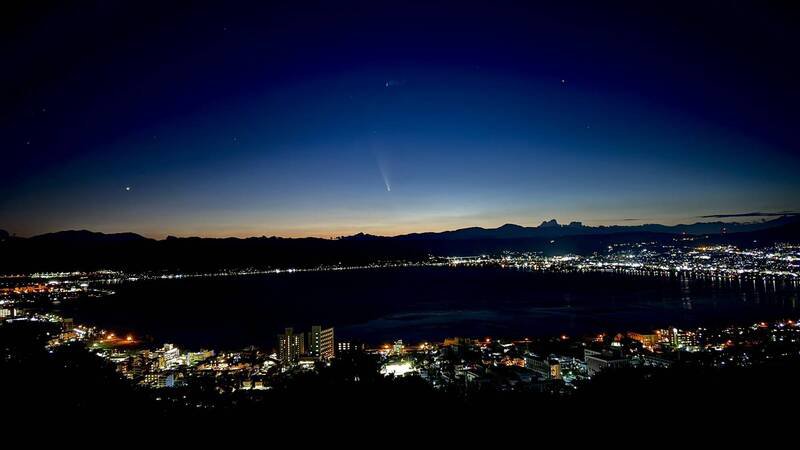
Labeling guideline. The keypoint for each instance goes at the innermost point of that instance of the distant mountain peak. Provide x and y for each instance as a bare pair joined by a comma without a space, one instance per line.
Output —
552,223
360,237
87,236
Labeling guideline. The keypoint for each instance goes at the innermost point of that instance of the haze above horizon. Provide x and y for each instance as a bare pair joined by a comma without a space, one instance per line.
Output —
767,219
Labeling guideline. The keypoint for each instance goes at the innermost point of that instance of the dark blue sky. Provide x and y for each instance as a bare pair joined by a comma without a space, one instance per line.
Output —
387,117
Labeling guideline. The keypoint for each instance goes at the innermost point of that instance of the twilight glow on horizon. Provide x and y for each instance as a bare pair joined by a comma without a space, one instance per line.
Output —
334,118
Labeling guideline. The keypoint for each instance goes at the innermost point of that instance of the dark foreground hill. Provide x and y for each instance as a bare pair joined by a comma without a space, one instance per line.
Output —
75,387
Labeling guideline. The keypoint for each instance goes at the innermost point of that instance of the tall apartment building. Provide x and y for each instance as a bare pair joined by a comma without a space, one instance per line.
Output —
320,342
290,347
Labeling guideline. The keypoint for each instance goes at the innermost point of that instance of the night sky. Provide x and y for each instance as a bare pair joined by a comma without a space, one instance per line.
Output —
234,119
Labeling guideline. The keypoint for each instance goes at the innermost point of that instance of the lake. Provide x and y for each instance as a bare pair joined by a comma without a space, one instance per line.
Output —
426,303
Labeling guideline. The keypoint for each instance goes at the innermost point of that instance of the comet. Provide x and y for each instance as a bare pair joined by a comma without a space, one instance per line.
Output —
385,176
383,167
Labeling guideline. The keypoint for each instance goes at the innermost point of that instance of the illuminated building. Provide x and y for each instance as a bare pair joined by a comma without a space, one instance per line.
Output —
320,342
547,368
193,358
168,356
290,347
6,313
679,339
398,348
159,380
307,362
343,347
457,341
647,340
597,361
